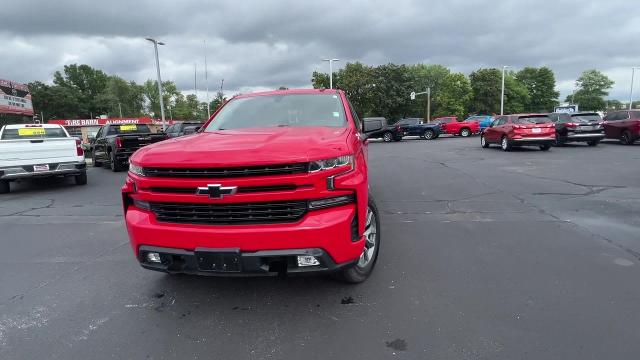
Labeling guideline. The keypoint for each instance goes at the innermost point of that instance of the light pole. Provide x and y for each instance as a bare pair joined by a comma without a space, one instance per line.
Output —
633,70
502,97
155,47
206,79
330,71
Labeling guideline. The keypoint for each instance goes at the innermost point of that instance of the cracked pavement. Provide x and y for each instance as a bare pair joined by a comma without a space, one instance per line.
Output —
484,254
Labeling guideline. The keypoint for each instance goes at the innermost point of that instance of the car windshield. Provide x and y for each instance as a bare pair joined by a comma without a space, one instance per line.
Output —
295,110
532,120
33,133
128,129
585,117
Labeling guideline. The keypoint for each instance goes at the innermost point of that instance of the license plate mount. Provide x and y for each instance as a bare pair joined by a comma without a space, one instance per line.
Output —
221,261
40,168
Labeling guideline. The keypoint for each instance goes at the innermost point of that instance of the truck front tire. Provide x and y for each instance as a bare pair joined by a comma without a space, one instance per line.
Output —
360,271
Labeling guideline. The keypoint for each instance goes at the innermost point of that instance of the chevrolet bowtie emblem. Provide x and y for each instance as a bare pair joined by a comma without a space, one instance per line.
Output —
216,191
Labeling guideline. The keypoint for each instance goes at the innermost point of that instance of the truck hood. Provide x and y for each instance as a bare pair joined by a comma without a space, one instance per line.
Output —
246,147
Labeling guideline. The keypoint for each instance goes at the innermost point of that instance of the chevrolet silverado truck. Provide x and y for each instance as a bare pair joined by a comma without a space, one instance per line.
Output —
34,150
450,125
274,183
114,144
415,127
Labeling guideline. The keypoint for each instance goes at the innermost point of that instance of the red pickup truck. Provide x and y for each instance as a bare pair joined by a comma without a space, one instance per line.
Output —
274,183
452,126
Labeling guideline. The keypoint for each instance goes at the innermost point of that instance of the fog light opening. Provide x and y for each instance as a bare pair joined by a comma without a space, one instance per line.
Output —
153,257
307,261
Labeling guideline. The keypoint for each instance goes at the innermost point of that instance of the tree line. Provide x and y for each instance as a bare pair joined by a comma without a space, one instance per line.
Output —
384,90
80,91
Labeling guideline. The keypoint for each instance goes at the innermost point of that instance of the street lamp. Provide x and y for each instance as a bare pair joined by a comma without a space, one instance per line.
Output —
155,47
633,70
502,97
330,71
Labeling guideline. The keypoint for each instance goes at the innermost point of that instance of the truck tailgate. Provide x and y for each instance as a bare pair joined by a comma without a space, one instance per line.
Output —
31,151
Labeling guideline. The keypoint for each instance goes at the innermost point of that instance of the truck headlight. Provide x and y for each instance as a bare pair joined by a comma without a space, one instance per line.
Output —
136,169
345,161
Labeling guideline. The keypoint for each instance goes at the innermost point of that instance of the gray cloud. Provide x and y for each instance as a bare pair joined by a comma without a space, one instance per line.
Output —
265,44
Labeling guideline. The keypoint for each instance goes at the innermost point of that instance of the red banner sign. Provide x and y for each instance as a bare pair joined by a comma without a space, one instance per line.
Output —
100,122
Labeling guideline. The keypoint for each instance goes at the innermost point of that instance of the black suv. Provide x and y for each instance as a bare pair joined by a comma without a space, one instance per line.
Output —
578,127
386,131
178,129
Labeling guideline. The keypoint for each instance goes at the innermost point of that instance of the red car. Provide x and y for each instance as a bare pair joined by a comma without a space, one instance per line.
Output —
520,130
274,183
623,125
450,125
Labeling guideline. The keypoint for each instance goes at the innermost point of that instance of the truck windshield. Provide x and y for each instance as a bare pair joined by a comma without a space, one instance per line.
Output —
294,110
33,133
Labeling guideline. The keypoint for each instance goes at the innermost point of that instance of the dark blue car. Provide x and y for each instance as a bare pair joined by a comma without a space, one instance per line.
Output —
415,127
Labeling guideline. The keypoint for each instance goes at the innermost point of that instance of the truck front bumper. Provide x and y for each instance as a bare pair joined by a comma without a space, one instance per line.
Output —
233,262
55,169
264,249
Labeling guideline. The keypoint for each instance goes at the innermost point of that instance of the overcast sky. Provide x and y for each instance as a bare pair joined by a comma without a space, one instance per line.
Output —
258,44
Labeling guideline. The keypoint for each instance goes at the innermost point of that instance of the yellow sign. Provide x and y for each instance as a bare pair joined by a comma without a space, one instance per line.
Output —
30,131
128,127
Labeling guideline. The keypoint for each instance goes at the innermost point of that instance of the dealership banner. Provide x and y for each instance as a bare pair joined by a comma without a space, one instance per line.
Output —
15,98
105,121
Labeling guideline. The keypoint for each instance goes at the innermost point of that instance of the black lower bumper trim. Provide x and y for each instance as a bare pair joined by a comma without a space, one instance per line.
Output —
232,262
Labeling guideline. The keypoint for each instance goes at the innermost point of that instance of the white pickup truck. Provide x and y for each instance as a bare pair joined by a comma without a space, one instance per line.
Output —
39,150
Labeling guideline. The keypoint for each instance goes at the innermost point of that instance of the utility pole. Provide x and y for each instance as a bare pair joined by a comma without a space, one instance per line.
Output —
206,79
120,107
155,47
429,104
330,71
633,70
502,97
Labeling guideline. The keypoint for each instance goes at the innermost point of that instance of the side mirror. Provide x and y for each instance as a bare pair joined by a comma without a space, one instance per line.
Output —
371,126
92,139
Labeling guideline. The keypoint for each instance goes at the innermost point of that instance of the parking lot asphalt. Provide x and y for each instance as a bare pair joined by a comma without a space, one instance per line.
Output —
485,255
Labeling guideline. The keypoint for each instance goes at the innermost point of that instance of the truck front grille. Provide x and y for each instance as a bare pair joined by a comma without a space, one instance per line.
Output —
230,214
218,173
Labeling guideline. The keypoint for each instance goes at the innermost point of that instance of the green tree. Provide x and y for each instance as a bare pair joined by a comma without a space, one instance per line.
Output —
487,89
356,79
170,94
217,101
592,86
118,95
56,101
423,76
540,84
86,82
453,95
516,95
390,95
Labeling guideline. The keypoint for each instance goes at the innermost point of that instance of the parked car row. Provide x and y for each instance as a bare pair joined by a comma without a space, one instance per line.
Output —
545,130
447,125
